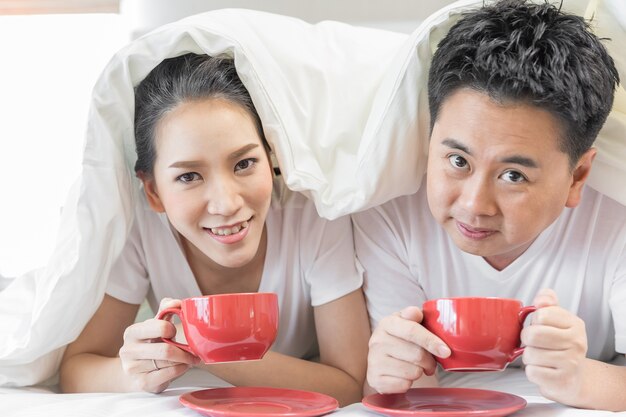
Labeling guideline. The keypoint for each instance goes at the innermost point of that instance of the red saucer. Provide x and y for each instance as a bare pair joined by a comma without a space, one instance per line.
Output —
445,402
258,402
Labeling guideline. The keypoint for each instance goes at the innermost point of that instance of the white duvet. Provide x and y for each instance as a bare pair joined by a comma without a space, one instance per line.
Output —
344,109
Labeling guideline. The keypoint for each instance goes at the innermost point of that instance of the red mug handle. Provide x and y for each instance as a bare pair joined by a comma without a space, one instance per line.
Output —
167,315
523,313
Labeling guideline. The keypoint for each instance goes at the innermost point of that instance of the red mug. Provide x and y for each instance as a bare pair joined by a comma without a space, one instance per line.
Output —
227,327
483,333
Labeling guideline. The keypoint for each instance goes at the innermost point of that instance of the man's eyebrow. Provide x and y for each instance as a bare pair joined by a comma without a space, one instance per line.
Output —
513,159
520,160
243,150
455,144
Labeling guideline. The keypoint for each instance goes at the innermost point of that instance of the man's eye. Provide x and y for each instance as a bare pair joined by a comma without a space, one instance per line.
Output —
188,177
245,164
514,177
458,161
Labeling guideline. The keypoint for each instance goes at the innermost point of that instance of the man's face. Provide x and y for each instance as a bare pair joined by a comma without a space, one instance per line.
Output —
496,175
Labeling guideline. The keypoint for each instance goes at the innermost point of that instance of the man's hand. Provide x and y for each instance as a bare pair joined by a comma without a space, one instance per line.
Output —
401,351
556,348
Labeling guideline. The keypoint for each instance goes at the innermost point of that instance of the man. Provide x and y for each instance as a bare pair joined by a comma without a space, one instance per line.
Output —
517,94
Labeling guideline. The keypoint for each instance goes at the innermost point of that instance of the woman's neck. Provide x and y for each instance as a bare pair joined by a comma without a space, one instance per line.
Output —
213,278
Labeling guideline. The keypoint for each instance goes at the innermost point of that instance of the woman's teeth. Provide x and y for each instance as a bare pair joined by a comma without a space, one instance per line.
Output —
229,230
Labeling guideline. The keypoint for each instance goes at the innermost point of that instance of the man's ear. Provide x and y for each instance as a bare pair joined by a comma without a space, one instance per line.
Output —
152,195
579,176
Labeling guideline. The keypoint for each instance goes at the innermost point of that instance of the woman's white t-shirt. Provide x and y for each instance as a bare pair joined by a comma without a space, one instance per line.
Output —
408,257
309,262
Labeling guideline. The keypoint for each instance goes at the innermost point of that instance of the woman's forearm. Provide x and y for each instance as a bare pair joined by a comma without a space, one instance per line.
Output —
87,372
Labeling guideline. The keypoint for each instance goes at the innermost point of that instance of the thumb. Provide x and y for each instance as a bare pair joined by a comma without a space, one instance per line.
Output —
412,313
546,297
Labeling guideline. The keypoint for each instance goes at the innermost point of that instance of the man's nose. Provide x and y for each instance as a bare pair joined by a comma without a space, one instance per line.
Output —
478,196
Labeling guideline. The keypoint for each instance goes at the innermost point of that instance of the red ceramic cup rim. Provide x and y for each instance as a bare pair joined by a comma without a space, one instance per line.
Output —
432,300
235,294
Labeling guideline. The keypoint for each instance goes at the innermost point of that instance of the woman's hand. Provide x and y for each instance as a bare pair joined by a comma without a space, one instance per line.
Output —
151,363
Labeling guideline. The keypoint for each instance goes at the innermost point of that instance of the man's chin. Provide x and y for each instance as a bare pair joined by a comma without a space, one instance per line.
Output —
472,247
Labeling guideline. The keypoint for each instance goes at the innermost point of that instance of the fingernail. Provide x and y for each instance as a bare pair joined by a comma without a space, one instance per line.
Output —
443,351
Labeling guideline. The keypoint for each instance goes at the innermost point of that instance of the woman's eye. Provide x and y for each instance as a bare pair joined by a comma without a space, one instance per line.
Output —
188,177
458,161
245,164
514,177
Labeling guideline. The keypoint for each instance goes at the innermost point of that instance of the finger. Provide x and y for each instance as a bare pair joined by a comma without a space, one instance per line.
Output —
168,352
409,352
543,375
168,303
158,381
544,358
415,333
546,297
390,384
389,366
152,365
556,316
149,330
553,338
403,352
138,357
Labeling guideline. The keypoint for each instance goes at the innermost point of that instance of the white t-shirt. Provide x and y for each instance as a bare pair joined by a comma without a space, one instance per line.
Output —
309,262
408,258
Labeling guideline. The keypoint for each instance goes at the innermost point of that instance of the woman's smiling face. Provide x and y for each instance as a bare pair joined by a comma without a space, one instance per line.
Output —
497,176
213,179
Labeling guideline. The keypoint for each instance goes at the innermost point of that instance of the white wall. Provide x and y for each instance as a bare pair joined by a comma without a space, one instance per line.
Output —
49,65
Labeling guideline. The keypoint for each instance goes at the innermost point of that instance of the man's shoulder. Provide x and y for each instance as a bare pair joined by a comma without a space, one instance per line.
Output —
600,207
598,220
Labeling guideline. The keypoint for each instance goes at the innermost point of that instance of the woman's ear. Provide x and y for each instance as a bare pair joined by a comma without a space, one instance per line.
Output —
152,195
579,176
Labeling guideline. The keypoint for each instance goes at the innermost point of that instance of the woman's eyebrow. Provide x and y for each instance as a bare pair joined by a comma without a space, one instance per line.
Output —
187,164
243,150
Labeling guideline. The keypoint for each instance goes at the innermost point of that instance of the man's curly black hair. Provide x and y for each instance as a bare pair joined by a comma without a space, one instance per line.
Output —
534,53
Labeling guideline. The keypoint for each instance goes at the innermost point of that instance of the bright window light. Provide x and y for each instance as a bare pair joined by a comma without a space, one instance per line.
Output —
49,66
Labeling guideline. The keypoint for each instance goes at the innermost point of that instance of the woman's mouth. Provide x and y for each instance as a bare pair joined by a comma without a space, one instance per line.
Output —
230,234
474,233
226,231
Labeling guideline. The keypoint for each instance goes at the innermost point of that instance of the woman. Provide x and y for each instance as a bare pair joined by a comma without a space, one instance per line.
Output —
215,221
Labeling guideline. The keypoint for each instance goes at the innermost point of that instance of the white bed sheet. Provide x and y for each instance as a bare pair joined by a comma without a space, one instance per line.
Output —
42,401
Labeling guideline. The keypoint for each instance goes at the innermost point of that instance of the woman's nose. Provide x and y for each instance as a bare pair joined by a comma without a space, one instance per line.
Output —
224,198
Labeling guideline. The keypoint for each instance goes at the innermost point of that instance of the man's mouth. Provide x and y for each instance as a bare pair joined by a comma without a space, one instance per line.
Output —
475,233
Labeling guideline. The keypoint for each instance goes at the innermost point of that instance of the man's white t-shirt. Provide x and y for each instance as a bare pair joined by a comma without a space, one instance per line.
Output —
408,258
309,262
